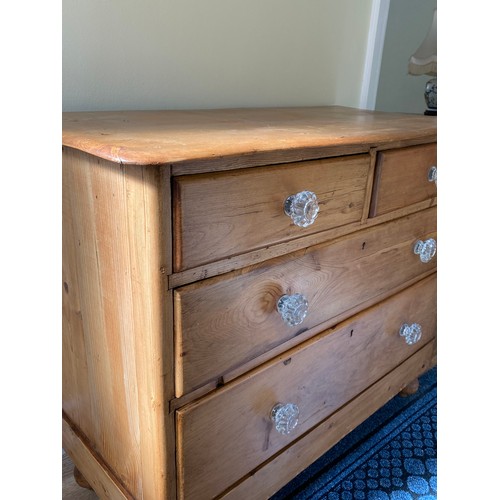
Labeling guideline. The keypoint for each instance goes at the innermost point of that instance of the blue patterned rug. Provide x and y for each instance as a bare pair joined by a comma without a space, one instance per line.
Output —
391,456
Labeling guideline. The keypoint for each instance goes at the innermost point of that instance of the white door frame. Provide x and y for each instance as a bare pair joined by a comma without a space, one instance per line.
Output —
374,50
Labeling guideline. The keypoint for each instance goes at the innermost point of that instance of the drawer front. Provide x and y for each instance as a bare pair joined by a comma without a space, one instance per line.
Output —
402,178
226,321
226,214
319,377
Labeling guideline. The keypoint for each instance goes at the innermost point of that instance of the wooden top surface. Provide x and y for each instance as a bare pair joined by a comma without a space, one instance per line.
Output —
171,137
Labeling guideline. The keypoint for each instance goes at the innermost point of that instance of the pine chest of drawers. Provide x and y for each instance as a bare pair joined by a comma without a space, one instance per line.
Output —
241,288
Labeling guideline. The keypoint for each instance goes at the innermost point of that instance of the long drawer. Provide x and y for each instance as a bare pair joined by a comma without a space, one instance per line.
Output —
226,321
226,435
225,214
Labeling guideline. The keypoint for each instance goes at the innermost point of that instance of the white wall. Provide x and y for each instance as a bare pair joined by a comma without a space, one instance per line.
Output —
145,54
407,26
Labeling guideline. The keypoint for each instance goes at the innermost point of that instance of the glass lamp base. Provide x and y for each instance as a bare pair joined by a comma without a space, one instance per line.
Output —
430,95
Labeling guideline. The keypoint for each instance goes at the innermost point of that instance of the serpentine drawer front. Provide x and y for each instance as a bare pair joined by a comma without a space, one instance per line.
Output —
241,288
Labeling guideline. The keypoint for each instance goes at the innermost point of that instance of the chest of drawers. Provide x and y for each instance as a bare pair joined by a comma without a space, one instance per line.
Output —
241,288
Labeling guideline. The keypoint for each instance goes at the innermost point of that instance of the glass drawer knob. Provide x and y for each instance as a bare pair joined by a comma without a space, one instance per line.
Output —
285,417
293,308
302,208
411,333
425,249
432,174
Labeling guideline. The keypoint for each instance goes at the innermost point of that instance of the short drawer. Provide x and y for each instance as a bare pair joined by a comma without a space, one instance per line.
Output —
223,437
226,214
402,178
228,320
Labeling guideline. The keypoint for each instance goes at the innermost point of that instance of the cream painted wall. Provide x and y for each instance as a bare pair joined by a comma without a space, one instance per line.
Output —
145,54
407,26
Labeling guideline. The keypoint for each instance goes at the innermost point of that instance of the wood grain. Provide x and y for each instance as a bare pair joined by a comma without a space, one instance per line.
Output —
149,327
275,473
280,350
222,215
401,178
113,317
100,477
230,264
346,360
226,321
204,140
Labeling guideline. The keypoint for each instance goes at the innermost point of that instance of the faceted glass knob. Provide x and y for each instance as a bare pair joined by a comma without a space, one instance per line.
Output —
302,208
432,174
425,249
411,333
293,308
285,417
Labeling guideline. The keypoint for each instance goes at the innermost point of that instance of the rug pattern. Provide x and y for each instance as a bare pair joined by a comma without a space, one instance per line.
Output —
391,456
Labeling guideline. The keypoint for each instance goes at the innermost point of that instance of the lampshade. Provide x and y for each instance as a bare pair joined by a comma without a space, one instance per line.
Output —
424,60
